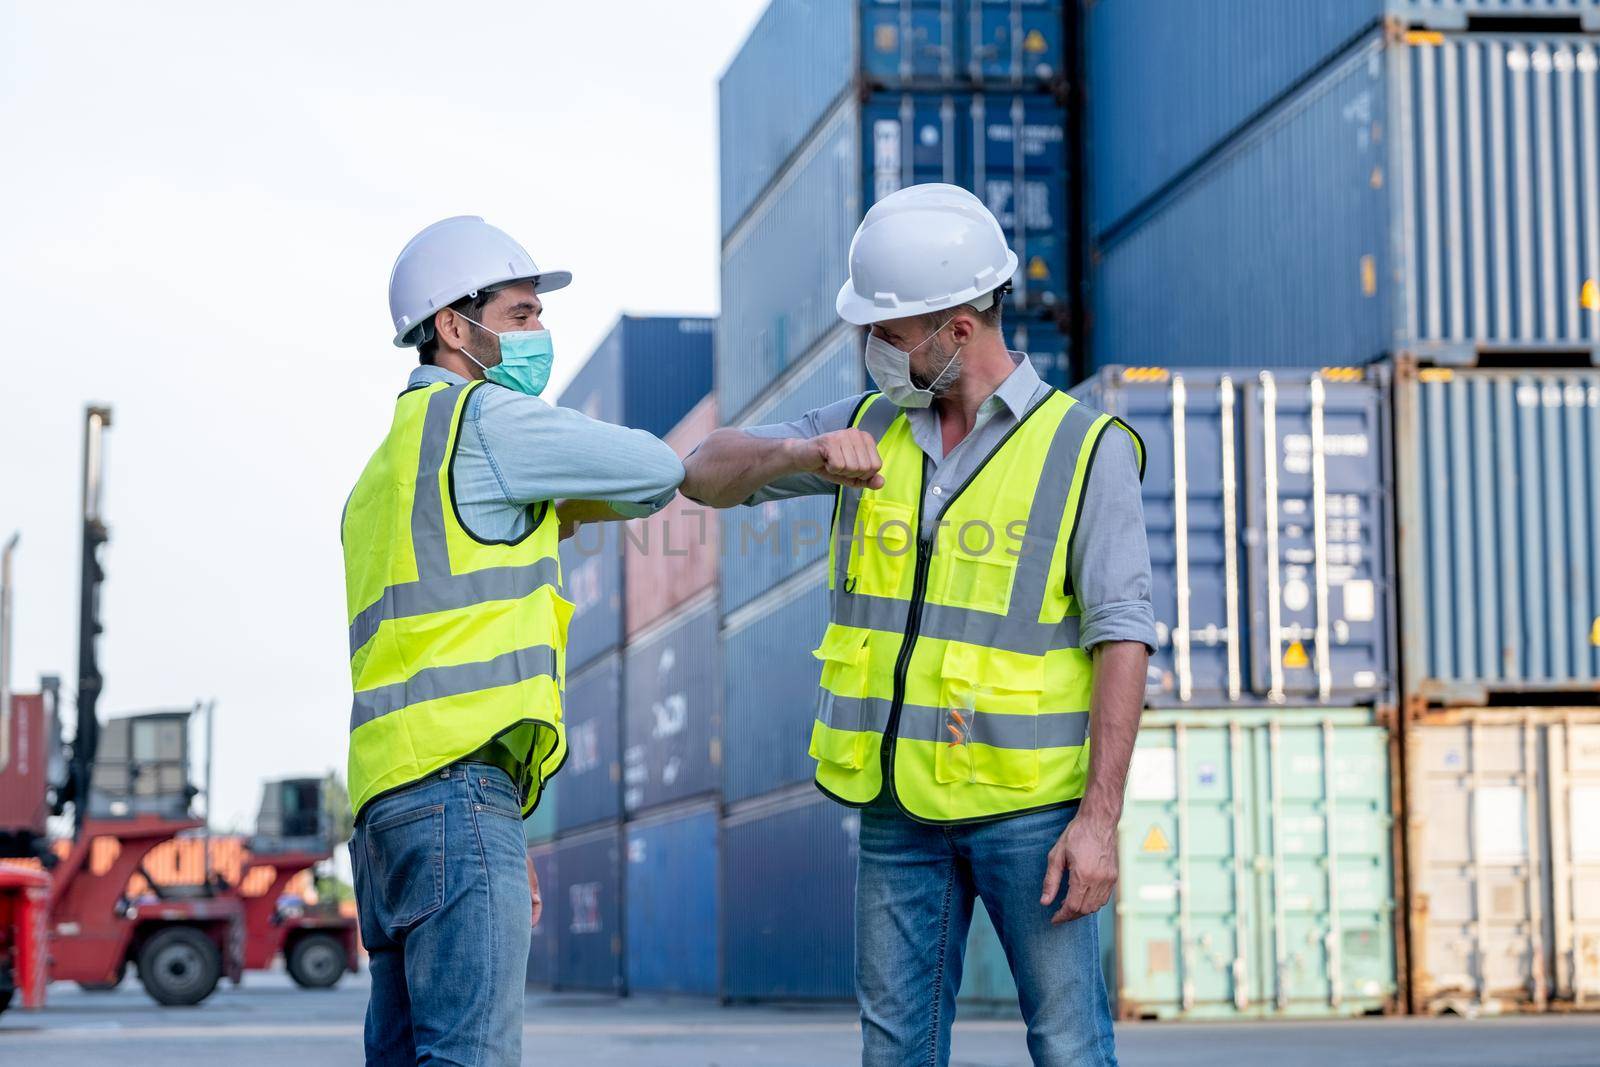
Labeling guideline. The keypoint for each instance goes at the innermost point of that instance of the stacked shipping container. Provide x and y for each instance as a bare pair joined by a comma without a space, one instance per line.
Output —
883,94
1299,185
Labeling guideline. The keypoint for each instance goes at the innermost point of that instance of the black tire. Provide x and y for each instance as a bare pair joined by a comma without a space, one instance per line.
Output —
179,966
317,961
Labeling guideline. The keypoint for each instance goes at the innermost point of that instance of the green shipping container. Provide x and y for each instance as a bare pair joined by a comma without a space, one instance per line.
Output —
541,825
1257,874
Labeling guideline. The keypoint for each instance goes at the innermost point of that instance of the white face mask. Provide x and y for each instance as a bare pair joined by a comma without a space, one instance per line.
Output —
891,369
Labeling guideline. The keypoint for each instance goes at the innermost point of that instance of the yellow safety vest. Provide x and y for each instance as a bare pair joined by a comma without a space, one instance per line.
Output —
954,661
454,641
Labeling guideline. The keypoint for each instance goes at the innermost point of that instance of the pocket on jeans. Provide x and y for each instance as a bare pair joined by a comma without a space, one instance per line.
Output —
405,855
498,795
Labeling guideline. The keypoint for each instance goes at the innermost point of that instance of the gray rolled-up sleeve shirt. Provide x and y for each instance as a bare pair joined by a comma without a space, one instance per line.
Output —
1110,564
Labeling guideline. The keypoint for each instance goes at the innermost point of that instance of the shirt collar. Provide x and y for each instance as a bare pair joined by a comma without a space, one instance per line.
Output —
431,375
1017,391
1015,394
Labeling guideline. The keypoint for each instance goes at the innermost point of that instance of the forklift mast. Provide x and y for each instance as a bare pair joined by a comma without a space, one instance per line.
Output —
95,534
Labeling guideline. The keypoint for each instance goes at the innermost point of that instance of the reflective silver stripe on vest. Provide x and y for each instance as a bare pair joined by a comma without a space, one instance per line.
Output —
428,542
433,683
451,592
918,722
1019,629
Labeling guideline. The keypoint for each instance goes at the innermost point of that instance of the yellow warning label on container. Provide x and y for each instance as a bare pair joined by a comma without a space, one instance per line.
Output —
1156,841
1295,658
1034,43
1430,37
1589,298
886,38
1145,374
1436,374
1369,276
1594,633
1377,178
1038,269
1342,374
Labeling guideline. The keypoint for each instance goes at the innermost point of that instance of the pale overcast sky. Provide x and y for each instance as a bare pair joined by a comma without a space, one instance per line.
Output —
199,207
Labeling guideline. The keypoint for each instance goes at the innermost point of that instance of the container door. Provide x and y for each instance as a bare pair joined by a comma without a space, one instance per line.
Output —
1015,41
1017,151
910,139
1317,535
1181,914
1192,519
904,41
1574,754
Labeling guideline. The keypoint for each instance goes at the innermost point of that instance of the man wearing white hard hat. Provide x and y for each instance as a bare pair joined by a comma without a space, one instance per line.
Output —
458,633
983,668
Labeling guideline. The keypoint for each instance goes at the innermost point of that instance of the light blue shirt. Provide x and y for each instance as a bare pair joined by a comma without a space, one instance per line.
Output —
1110,561
516,450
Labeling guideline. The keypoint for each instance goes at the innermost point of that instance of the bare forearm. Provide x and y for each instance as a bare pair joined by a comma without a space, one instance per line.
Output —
1117,700
730,465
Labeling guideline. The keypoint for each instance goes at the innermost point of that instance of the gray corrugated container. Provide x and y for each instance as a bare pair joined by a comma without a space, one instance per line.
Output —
763,545
788,899
673,903
1499,507
542,944
587,905
1264,596
821,51
588,786
1503,810
591,577
1436,195
783,266
672,722
1168,80
770,687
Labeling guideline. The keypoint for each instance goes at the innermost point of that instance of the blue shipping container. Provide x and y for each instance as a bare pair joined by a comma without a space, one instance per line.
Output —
1047,346
588,786
1170,80
1499,505
672,903
591,577
1435,195
788,900
1265,500
770,688
542,945
672,724
588,909
820,51
763,545
783,266
647,373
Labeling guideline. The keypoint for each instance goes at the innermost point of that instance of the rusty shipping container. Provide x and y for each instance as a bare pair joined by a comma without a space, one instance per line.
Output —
671,556
1498,477
30,763
1503,813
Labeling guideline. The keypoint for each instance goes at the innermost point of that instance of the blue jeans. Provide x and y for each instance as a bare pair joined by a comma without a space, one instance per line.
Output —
446,914
914,895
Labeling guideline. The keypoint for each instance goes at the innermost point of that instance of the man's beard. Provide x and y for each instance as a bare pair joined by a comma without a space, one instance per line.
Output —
945,379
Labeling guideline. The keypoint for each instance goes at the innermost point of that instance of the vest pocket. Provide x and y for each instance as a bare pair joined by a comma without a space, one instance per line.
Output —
839,735
882,547
980,579
988,718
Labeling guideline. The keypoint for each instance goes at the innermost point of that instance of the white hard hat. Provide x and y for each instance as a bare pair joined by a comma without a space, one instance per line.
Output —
447,261
920,249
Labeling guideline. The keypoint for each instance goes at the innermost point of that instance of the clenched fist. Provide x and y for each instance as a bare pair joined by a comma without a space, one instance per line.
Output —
847,457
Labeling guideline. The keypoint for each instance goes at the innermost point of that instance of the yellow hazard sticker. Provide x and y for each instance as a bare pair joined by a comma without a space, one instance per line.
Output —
1295,658
1423,37
1369,276
886,38
1594,633
1589,297
1038,269
1156,841
1034,43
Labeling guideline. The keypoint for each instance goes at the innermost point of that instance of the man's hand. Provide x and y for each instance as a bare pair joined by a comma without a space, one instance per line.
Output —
1086,855
847,457
538,901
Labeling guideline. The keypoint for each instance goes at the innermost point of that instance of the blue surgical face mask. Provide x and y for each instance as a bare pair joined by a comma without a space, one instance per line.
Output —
525,359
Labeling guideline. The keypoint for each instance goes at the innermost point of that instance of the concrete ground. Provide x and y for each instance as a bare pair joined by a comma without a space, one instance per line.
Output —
268,1021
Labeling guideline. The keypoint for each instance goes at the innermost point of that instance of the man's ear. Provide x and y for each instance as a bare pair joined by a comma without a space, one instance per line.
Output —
450,328
963,329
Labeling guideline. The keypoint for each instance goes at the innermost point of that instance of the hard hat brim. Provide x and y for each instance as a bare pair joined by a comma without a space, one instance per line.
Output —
860,311
546,281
